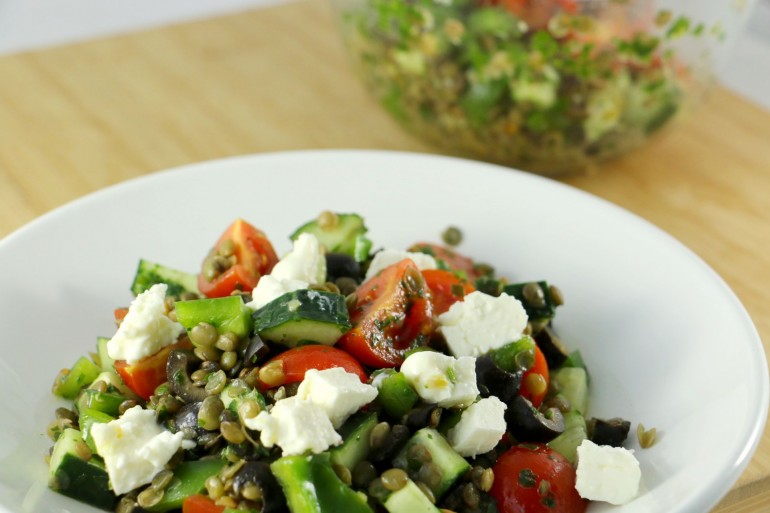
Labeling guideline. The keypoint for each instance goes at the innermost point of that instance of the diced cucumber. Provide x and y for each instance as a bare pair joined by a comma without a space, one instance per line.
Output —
572,383
362,248
227,314
395,394
515,356
69,382
311,486
575,359
303,315
149,273
104,402
451,464
338,237
115,384
72,472
543,309
574,433
409,499
189,478
355,433
105,362
87,418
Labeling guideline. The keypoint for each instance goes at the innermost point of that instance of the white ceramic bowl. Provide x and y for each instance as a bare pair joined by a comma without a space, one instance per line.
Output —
666,341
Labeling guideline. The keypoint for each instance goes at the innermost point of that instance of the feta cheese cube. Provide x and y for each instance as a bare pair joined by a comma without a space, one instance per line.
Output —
606,473
442,379
270,288
481,427
337,392
146,329
388,257
305,262
296,426
481,322
134,447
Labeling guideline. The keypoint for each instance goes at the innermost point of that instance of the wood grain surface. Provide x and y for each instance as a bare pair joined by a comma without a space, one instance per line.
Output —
77,118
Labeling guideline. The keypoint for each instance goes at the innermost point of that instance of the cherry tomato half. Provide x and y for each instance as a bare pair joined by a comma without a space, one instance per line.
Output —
392,314
533,478
144,376
248,254
298,360
446,288
533,387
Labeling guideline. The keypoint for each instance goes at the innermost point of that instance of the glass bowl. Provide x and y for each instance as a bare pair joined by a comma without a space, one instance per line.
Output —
548,86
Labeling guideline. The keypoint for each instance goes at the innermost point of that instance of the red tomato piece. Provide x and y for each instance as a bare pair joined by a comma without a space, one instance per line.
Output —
298,360
446,288
530,382
532,478
453,260
253,255
144,376
200,504
392,315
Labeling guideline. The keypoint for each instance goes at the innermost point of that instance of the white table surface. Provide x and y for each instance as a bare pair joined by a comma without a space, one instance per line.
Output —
34,24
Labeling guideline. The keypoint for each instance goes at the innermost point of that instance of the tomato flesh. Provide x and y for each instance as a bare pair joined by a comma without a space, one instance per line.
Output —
446,288
539,367
298,360
393,314
532,478
254,257
453,260
144,376
200,504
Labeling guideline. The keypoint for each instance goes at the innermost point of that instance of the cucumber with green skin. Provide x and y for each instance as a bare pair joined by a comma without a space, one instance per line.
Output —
227,314
542,310
74,473
303,315
86,419
105,402
150,273
343,236
448,461
409,499
311,486
105,361
355,435
69,382
189,479
575,431
572,383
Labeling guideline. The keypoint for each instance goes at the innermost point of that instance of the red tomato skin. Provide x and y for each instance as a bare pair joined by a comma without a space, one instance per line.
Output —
518,486
144,376
200,504
443,286
540,367
254,256
298,360
393,314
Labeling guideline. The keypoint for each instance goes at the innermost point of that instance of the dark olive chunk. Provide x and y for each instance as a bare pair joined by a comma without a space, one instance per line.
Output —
492,380
528,424
339,265
258,474
608,432
554,351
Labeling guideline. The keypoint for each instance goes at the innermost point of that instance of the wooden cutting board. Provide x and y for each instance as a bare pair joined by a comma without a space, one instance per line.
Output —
78,118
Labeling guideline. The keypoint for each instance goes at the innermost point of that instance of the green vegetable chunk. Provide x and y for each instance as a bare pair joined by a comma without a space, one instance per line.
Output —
227,314
396,395
149,274
339,233
69,382
189,478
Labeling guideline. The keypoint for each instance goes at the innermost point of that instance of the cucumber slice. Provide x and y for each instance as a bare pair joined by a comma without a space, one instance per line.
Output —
72,472
572,383
542,309
69,382
355,433
303,315
105,361
149,273
409,499
339,237
227,314
87,418
451,464
575,432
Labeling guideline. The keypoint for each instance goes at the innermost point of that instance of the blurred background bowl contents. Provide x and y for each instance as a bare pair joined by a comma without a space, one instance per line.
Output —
549,86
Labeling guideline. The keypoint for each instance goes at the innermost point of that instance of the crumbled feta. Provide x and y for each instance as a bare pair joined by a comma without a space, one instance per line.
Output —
388,257
442,379
146,329
270,288
481,322
305,262
296,426
481,427
337,392
134,447
606,473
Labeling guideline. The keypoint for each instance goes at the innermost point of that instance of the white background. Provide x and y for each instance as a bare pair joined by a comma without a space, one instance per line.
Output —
33,24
